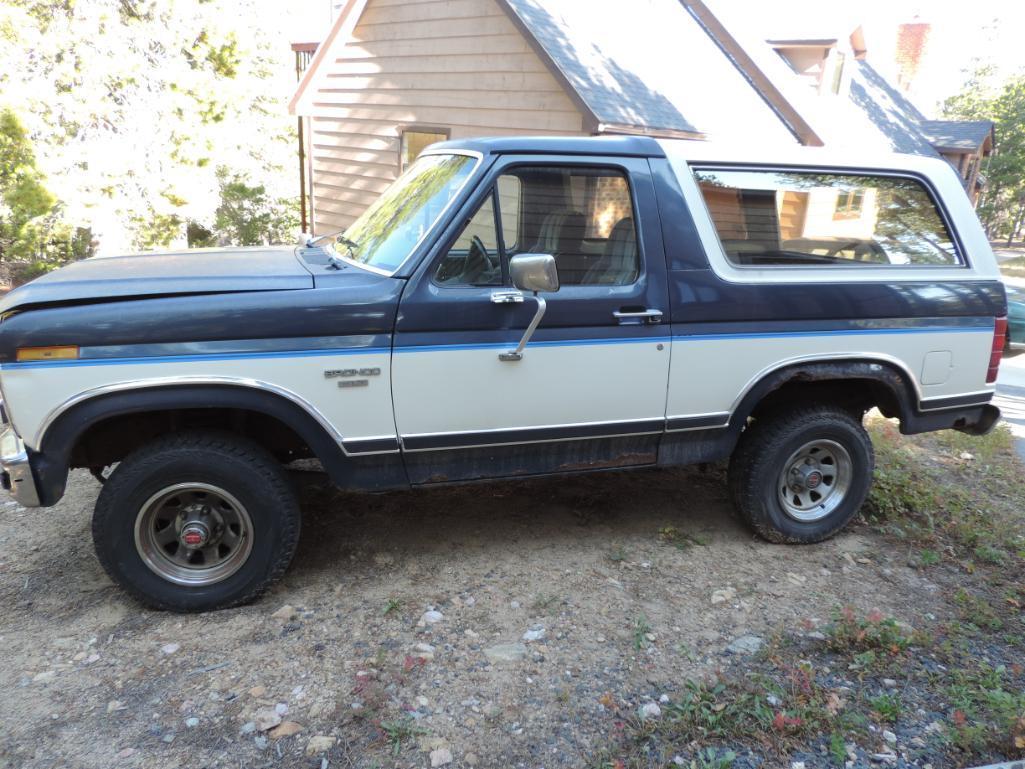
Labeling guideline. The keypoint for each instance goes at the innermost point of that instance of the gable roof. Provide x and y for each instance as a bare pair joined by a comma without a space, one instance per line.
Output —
889,111
966,135
612,61
672,68
613,94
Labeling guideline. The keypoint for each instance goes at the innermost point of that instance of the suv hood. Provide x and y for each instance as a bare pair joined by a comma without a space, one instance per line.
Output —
197,271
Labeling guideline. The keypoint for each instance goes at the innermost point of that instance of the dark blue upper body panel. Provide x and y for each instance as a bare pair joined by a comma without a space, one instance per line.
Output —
286,293
613,146
347,302
165,274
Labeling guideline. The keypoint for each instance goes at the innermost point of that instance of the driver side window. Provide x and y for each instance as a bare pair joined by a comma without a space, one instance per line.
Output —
474,259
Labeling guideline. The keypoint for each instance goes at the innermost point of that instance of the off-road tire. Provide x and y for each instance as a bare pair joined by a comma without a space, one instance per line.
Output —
244,469
763,450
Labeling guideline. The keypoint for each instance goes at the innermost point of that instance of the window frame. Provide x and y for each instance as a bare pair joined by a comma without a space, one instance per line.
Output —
822,274
496,211
492,191
442,221
413,128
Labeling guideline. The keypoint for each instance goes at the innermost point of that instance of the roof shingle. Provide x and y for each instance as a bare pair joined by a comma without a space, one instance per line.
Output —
967,135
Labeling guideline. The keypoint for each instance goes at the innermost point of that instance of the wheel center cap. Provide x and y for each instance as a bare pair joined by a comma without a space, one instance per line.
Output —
812,480
194,535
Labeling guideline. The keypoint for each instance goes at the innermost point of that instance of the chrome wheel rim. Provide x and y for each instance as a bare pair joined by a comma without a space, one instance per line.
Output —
193,534
815,480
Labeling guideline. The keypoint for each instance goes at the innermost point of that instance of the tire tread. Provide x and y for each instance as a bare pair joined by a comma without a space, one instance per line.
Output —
756,449
148,459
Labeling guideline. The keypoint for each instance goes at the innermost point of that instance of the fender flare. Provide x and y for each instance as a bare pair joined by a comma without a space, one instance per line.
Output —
891,376
52,461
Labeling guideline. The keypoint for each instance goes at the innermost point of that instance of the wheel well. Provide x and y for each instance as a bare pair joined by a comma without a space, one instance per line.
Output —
112,439
854,385
854,395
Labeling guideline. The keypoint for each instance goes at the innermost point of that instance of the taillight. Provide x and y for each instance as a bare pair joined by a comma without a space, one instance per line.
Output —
999,340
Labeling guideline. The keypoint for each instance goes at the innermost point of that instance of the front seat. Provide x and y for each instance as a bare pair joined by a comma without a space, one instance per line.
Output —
618,263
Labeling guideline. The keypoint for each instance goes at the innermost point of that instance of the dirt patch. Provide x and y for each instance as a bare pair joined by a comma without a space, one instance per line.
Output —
501,625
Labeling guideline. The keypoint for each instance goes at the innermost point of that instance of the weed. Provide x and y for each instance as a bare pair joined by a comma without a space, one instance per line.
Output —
641,631
848,632
543,604
710,758
687,652
392,605
886,708
838,748
977,611
400,731
928,558
618,555
990,554
681,540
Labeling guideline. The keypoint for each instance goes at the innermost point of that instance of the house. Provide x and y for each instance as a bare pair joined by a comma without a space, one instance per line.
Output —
393,76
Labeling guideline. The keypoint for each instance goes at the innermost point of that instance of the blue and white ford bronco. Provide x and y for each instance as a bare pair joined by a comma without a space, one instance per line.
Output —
508,307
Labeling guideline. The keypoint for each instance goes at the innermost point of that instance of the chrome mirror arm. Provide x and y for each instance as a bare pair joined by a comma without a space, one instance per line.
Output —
517,354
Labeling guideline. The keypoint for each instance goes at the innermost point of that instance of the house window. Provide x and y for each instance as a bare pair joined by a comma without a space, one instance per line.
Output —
813,219
415,140
849,204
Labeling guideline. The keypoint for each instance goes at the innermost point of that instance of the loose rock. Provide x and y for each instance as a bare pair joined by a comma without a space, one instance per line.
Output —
286,729
319,743
286,613
536,634
746,644
424,651
649,710
430,618
170,648
266,719
724,595
440,757
506,652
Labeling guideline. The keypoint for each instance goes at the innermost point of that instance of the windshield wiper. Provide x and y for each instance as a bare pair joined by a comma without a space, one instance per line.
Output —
337,237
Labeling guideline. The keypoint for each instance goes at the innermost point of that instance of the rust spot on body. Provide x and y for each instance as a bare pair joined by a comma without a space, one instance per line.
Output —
623,460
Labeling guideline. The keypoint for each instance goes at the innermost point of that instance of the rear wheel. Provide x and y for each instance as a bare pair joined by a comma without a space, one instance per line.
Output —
800,475
196,521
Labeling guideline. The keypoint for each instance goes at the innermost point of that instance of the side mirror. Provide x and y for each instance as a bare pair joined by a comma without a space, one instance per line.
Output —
534,272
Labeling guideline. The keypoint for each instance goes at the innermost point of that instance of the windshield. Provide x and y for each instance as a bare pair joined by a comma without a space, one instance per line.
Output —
387,232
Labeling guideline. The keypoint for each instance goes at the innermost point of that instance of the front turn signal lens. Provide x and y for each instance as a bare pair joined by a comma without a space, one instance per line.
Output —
46,353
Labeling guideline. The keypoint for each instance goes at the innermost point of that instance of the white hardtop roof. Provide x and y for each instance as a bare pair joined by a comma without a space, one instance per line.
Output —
792,155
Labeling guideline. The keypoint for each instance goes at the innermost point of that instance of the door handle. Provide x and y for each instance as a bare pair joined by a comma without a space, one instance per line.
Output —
506,297
637,317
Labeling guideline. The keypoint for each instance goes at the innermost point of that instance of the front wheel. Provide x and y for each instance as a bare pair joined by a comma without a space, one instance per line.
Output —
196,521
800,475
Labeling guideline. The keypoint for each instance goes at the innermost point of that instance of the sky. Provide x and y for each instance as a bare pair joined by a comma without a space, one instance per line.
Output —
961,31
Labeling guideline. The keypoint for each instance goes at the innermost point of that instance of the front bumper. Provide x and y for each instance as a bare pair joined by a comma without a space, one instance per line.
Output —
15,468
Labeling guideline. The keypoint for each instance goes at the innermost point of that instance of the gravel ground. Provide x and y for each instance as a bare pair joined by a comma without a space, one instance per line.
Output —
379,646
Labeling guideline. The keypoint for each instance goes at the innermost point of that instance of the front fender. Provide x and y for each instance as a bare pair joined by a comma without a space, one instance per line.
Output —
51,462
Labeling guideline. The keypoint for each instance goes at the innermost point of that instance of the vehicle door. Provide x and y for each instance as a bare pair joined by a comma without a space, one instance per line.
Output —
589,390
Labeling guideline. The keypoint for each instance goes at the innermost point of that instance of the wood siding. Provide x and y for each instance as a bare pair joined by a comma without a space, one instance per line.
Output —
460,65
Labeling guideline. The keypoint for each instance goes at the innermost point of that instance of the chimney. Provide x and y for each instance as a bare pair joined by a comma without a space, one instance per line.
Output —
912,40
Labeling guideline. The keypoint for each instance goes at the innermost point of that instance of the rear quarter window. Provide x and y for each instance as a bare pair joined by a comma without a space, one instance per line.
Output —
786,218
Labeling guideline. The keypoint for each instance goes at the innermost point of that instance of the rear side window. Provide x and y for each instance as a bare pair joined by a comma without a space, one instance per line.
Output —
800,218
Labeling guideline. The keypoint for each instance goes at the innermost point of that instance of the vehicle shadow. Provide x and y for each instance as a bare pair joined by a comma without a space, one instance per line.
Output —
595,511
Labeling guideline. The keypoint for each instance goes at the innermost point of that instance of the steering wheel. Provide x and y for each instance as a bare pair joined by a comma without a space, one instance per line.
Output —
478,261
